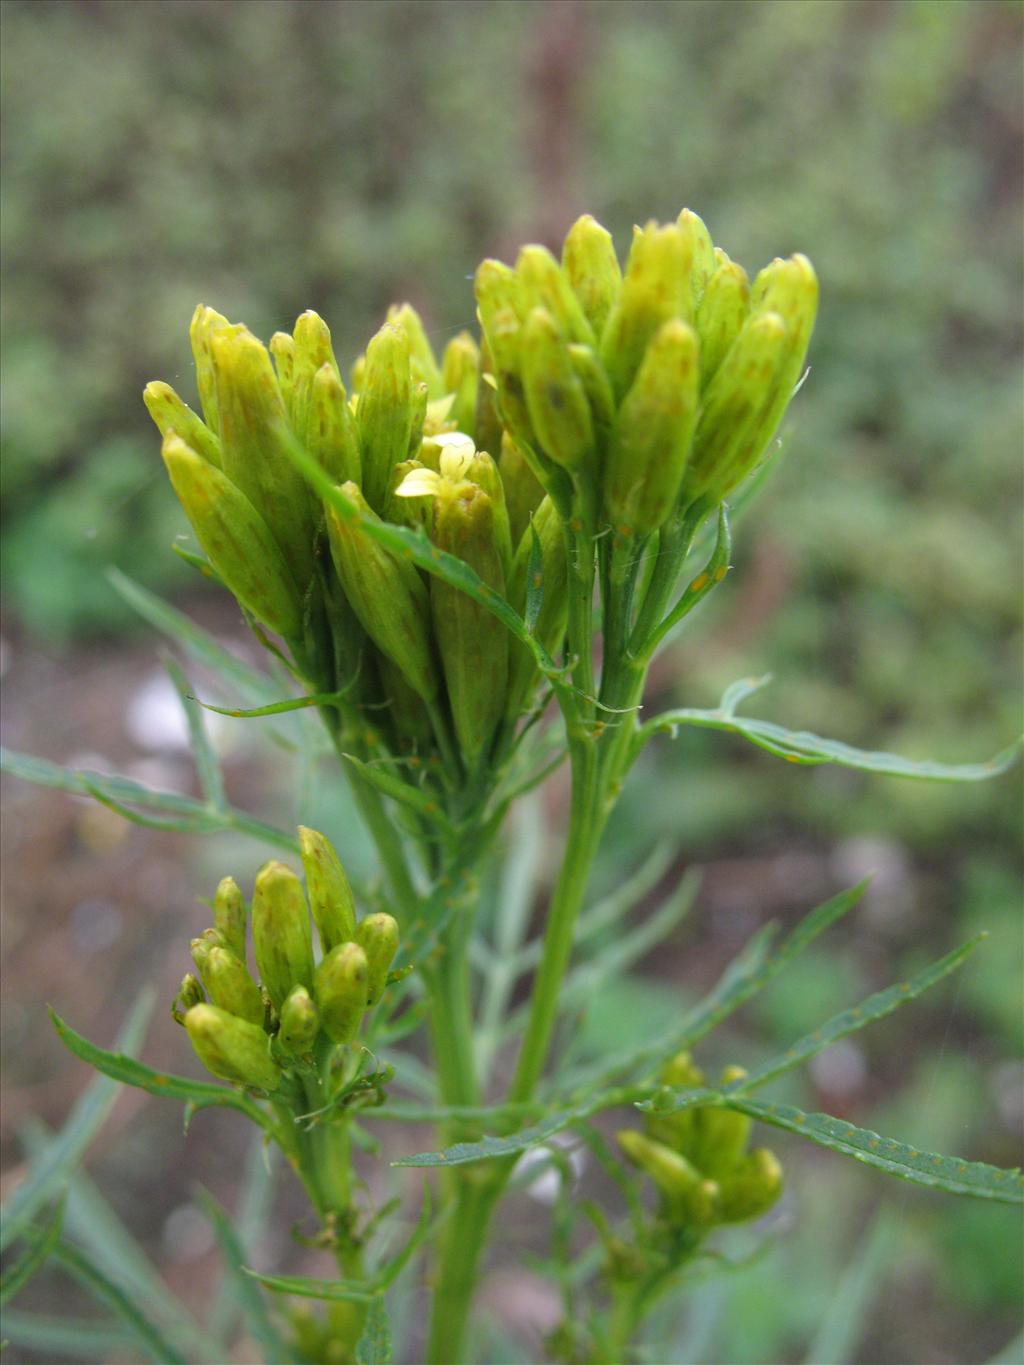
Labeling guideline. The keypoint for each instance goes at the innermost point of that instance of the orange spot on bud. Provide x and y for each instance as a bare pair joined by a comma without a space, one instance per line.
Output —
701,581
721,572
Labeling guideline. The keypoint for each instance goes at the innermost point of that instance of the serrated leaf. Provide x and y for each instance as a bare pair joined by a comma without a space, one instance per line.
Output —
51,1172
257,1320
374,1346
948,1173
800,746
41,1244
185,814
199,1094
207,764
106,1291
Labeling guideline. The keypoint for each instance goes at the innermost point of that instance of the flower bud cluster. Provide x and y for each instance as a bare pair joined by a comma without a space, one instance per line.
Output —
250,1030
698,1159
631,393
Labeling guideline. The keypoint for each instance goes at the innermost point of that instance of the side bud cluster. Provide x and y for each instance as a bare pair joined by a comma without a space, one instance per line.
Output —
249,1029
698,1159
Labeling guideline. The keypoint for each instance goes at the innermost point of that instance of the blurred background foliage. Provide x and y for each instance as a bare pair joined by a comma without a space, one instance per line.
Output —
271,157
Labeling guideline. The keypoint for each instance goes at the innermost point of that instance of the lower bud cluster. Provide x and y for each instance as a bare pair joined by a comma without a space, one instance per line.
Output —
698,1159
249,1030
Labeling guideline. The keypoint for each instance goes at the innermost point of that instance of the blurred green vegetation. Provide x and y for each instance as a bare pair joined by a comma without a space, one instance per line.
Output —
276,156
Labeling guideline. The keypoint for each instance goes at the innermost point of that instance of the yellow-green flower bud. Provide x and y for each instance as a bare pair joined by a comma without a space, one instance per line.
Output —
330,896
524,492
549,626
282,939
418,406
655,289
790,289
331,434
704,1206
720,1136
229,915
300,1023
206,322
460,375
652,433
253,436
486,428
282,350
674,1176
556,400
677,1130
422,361
483,471
199,949
505,342
171,413
377,935
388,596
190,993
592,268
544,284
237,539
702,253
497,288
385,410
341,991
231,1048
597,386
721,313
472,642
752,1187
231,987
727,443
311,351
407,713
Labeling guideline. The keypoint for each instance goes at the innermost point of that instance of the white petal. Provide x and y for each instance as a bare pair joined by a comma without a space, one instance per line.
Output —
419,483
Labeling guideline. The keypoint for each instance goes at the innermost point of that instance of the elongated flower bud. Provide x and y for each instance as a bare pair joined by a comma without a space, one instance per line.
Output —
655,289
524,492
231,1048
330,896
205,323
387,595
720,315
486,428
418,408
190,993
282,350
790,289
229,917
171,413
674,1176
254,436
752,1187
331,432
702,254
460,375
592,268
544,284
727,443
552,573
555,398
597,386
199,949
720,1136
341,991
652,434
280,930
483,471
422,361
384,414
236,538
377,935
300,1023
231,987
677,1130
472,642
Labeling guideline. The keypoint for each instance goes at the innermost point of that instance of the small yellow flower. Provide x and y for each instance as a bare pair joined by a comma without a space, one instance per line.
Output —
456,458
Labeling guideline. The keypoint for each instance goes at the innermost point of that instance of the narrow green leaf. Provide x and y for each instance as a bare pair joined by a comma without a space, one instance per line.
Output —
947,1173
848,1313
800,746
534,581
64,1336
875,1007
374,1347
106,1291
748,973
697,589
51,1172
41,1244
255,1200
199,1094
414,798
275,708
207,764
254,1311
185,814
347,1291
